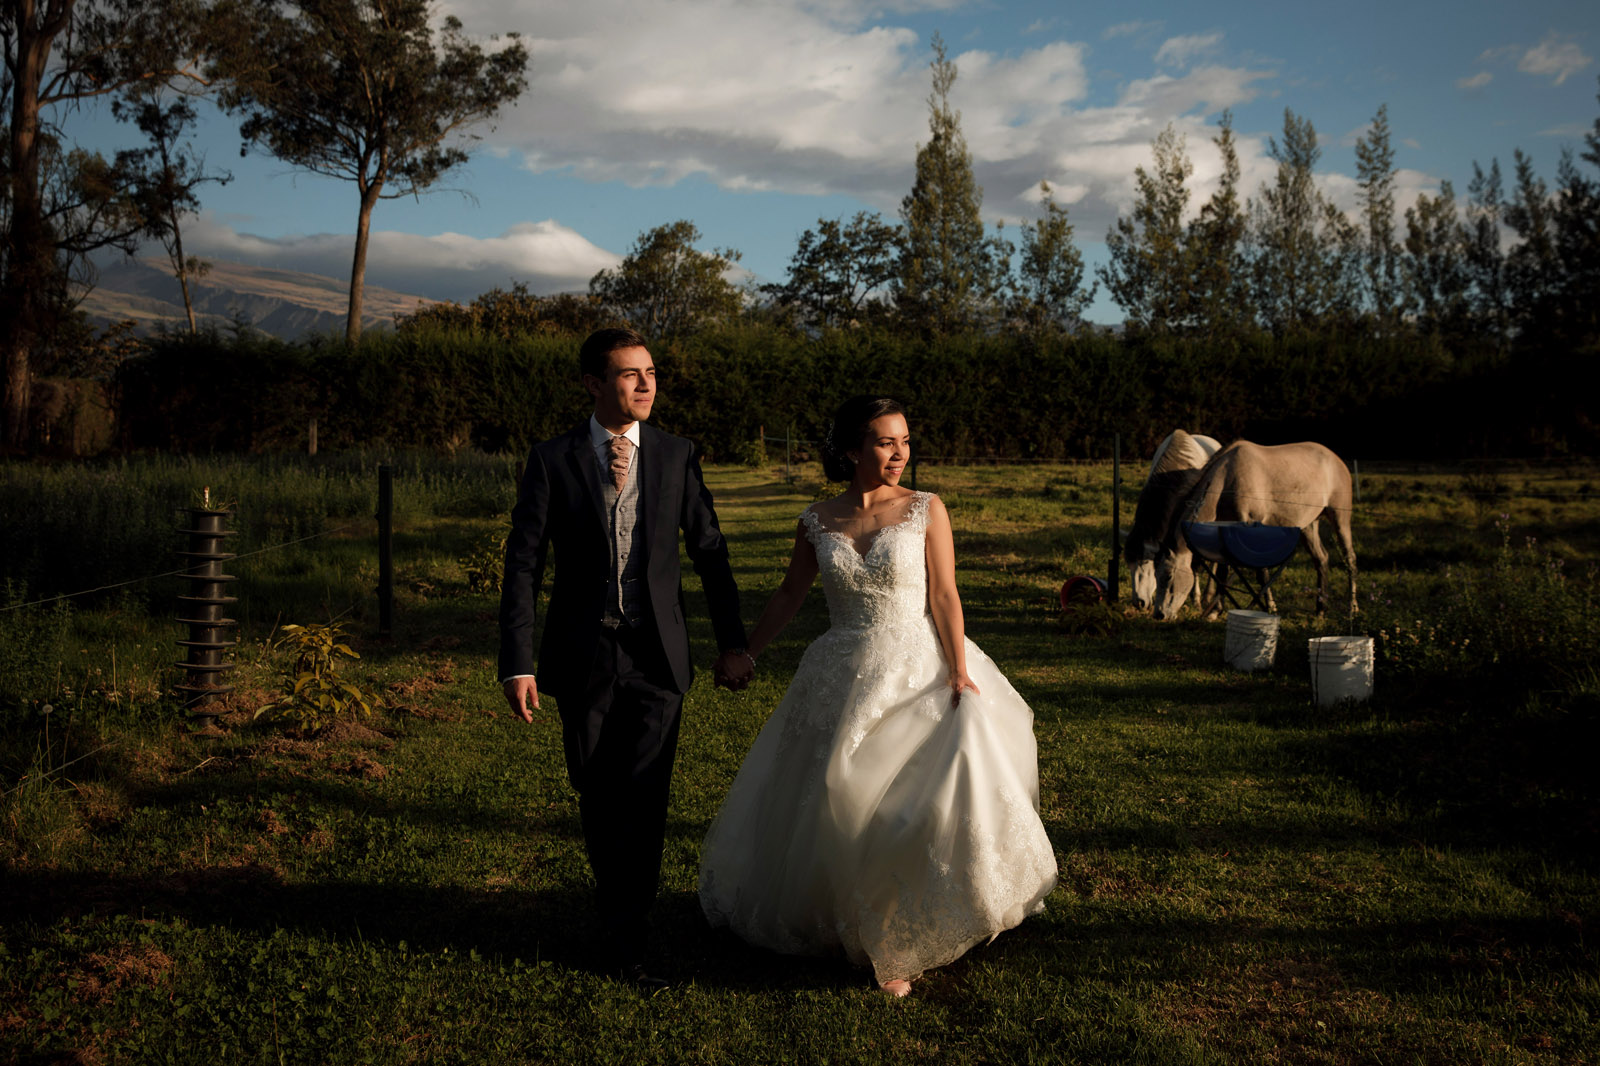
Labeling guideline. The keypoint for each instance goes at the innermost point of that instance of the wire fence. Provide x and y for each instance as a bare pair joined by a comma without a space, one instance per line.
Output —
180,572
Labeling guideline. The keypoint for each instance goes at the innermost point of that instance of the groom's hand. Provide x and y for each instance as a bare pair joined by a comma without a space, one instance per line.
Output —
521,693
734,669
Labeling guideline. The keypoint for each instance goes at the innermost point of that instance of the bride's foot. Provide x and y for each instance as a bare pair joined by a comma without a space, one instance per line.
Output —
896,988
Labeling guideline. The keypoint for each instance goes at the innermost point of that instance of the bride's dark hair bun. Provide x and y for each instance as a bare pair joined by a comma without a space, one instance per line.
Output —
849,430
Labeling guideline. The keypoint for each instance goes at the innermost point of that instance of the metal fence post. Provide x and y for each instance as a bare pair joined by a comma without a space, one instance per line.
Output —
1113,573
385,550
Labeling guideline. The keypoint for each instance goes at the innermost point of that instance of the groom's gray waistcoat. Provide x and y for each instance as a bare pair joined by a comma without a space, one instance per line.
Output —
625,591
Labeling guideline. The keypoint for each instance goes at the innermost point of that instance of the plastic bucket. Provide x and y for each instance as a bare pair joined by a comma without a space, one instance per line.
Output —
1081,591
1251,640
1341,669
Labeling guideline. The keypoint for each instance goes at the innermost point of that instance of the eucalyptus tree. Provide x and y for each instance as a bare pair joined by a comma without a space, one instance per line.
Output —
840,272
950,274
60,204
364,91
664,286
1049,290
176,173
1148,270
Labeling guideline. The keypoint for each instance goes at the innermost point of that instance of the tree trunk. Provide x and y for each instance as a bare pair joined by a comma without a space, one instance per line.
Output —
358,269
29,253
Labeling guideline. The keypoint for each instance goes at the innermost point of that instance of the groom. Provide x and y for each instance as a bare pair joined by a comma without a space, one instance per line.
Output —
611,496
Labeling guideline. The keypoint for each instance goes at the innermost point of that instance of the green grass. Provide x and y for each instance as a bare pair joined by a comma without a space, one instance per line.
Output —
1244,878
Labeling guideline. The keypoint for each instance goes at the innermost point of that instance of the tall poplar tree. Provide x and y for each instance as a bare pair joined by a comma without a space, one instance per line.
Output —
1302,243
1531,266
949,272
1218,271
362,91
1375,176
1484,260
1148,273
1435,272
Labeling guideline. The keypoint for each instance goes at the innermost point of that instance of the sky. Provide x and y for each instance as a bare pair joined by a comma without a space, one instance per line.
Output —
755,119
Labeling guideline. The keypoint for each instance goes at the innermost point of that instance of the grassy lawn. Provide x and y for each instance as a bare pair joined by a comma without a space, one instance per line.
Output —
1244,877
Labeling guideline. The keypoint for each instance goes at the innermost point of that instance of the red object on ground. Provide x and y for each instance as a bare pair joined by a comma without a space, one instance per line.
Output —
1080,590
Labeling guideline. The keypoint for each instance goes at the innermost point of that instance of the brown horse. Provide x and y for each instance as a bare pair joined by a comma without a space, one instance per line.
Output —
1281,485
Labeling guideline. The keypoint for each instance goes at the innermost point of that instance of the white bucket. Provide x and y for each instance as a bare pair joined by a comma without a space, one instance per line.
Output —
1341,669
1251,640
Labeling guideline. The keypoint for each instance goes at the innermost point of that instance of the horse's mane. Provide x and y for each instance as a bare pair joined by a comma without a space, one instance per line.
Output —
1182,452
1176,468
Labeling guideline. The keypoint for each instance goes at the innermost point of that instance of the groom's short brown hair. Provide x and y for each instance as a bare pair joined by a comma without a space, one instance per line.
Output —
597,348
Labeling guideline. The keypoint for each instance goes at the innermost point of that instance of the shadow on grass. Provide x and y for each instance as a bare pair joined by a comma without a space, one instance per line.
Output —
557,925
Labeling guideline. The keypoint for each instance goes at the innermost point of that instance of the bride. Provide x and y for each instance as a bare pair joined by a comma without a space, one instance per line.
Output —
888,810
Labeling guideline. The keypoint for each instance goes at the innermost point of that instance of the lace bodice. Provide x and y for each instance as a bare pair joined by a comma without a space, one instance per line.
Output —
885,586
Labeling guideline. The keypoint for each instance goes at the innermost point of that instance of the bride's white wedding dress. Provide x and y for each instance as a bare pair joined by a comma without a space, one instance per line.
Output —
872,817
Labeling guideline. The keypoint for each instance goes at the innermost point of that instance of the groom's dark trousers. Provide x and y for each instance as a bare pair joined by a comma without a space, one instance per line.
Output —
618,687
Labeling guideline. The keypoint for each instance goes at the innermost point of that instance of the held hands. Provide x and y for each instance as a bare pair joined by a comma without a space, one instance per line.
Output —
958,681
522,693
734,669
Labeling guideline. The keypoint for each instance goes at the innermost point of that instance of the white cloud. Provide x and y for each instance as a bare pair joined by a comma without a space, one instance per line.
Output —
1411,142
1131,29
547,256
1553,56
825,97
1181,51
1477,81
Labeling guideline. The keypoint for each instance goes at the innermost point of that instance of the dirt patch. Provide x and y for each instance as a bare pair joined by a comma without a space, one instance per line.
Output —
349,731
290,747
425,685
122,967
363,766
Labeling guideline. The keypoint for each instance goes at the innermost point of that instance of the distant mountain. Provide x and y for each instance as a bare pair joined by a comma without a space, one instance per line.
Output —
283,303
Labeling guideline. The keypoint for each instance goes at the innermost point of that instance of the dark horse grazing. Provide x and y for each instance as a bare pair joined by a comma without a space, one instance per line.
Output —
1281,485
1173,472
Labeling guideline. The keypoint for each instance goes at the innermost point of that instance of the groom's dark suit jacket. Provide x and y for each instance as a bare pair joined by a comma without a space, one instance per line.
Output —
559,505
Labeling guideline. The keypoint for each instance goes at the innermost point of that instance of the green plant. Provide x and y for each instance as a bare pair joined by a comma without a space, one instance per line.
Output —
752,453
1522,619
484,565
315,694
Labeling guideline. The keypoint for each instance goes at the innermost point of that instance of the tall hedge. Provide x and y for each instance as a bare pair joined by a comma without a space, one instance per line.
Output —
970,396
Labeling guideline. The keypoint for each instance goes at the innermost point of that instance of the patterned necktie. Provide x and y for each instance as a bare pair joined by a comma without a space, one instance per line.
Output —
620,451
